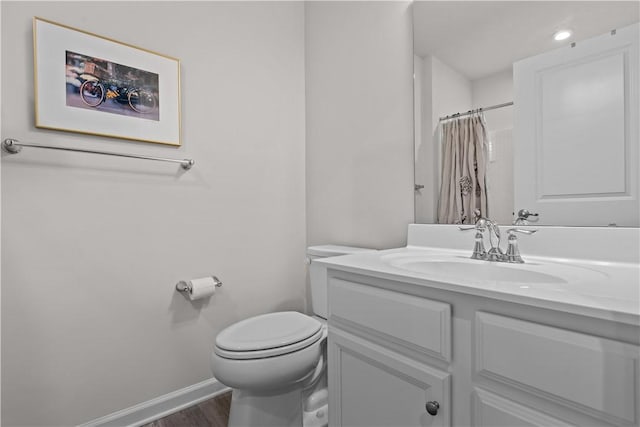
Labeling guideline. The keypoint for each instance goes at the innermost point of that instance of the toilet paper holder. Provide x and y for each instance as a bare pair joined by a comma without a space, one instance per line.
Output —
185,287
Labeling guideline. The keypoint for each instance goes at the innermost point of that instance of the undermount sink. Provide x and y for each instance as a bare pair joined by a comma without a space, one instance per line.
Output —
459,268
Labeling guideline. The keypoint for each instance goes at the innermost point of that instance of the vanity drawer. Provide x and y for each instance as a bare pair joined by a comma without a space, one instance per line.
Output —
417,323
596,376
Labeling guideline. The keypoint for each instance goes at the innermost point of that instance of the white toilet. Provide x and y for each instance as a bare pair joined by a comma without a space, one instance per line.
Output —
276,362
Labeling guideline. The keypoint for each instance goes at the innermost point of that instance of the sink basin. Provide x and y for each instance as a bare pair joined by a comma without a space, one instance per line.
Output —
490,271
458,268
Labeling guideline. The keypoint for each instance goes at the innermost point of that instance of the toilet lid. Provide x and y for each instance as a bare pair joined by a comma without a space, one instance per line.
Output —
268,331
271,352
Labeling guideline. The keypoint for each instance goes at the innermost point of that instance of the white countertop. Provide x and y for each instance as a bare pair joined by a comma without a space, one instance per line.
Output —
595,288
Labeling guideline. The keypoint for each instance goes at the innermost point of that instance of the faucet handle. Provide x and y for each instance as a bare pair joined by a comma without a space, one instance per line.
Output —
479,252
481,225
513,253
512,231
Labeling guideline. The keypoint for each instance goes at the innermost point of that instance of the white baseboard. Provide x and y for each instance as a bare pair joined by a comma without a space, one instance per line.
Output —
162,406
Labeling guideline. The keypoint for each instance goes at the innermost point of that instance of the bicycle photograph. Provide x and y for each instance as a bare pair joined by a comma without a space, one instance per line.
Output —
109,87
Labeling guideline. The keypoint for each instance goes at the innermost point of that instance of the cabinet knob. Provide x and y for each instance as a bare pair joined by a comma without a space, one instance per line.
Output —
432,407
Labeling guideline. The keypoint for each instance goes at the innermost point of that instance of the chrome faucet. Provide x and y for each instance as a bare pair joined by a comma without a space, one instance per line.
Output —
495,254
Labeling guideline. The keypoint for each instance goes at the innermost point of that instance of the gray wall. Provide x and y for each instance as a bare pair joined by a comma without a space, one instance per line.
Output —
359,66
93,246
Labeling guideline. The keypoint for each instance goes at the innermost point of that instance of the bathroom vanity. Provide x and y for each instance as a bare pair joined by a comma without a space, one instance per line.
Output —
425,336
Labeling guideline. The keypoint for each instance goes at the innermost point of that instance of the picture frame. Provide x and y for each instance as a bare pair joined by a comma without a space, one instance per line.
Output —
89,84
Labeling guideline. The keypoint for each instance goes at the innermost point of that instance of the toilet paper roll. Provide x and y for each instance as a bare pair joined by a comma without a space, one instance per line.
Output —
202,288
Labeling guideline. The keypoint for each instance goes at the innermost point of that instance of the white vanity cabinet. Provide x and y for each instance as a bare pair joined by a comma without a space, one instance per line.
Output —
396,346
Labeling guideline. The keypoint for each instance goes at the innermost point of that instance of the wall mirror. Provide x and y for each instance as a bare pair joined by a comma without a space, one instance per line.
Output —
567,149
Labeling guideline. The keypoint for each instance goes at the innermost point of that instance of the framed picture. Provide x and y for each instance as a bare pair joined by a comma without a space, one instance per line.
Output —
90,84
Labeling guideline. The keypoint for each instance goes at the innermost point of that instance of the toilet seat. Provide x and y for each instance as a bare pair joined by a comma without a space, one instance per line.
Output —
268,335
270,352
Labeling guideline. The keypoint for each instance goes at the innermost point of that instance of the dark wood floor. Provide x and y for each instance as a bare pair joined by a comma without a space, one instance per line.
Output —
210,413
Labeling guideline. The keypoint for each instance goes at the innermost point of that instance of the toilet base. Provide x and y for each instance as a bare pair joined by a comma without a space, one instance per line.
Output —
316,418
253,409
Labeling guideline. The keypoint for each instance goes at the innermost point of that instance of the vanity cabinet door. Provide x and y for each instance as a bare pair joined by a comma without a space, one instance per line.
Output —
371,386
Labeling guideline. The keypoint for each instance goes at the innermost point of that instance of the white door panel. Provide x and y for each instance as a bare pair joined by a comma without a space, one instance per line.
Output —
576,151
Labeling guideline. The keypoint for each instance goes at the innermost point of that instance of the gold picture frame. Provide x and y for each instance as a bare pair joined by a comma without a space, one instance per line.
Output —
90,84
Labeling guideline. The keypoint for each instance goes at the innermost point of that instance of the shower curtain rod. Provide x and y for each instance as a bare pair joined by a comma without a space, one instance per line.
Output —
493,107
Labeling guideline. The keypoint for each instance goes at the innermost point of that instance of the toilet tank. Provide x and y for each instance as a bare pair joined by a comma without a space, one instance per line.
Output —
318,273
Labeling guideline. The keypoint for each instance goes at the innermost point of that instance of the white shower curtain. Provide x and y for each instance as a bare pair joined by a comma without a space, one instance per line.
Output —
463,185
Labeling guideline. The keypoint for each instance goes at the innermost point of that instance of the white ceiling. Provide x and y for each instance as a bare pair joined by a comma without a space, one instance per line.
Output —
479,38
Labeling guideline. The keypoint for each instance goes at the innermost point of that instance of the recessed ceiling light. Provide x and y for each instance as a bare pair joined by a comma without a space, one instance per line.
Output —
562,35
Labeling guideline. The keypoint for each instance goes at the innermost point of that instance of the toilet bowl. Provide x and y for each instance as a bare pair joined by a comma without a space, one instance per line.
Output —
269,360
276,362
